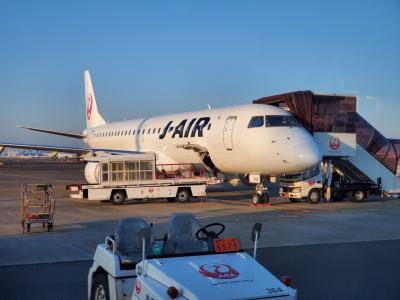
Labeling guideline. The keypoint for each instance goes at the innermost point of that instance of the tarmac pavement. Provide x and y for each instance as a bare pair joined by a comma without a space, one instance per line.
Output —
333,250
344,271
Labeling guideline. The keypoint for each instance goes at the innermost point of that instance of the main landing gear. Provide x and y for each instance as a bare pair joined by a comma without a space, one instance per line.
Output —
260,196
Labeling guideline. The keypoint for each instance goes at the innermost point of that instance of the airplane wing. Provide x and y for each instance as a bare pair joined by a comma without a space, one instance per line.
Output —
55,149
62,133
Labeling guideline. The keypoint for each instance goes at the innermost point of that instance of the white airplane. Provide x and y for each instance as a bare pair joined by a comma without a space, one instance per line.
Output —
254,139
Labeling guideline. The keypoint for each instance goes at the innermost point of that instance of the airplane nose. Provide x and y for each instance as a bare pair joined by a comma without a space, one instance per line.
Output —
307,156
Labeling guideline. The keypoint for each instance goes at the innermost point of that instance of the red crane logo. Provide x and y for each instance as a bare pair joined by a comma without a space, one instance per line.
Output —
334,143
218,271
138,287
89,106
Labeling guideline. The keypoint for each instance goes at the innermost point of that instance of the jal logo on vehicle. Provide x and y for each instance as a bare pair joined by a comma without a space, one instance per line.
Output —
334,143
218,271
311,182
138,287
89,106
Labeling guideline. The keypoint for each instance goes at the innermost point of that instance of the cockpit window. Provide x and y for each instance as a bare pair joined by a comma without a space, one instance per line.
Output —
256,122
282,121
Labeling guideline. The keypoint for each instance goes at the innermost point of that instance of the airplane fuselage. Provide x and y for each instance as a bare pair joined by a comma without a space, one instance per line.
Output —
225,133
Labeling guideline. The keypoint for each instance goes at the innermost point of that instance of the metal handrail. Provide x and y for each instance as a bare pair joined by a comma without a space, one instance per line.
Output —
110,240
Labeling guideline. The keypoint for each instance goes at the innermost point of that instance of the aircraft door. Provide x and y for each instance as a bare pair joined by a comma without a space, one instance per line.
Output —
143,131
228,132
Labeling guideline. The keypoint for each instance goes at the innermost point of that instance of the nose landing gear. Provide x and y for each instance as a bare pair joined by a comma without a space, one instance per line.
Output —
260,196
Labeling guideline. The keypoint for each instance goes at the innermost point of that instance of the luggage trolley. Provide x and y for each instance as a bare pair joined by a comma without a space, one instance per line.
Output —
35,208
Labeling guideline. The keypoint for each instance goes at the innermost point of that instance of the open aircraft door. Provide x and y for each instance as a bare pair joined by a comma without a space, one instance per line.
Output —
228,132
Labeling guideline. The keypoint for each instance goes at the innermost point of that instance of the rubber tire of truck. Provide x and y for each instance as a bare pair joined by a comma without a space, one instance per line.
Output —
295,200
100,285
360,197
118,197
183,195
314,196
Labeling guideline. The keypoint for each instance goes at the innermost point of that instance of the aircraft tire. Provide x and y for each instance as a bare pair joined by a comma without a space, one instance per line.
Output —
256,199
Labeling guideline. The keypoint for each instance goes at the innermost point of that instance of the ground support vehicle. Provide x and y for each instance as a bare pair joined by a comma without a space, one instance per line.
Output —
189,262
122,177
37,206
316,184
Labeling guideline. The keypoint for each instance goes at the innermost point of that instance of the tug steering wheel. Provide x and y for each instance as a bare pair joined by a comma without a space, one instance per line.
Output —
210,233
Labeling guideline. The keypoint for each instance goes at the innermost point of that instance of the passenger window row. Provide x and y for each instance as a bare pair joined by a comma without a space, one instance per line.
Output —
126,132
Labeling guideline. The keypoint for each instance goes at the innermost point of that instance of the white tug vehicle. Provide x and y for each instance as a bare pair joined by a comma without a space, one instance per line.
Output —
189,262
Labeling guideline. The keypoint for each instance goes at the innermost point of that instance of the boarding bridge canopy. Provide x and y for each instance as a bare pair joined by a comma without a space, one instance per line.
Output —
396,144
383,149
337,114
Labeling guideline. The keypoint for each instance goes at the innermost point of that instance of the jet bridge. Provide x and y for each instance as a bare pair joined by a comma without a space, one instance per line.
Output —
353,145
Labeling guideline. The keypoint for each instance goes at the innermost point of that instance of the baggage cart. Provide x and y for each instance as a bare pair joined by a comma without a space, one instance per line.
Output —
37,206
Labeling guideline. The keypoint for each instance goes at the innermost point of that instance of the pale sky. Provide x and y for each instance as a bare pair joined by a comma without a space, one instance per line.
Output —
154,57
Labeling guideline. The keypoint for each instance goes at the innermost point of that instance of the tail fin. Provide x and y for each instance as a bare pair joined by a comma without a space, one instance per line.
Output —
93,117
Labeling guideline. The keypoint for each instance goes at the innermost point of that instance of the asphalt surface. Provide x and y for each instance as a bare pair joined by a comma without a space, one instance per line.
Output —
331,250
364,270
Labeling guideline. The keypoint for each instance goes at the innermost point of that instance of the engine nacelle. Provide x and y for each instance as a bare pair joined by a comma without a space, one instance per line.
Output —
92,172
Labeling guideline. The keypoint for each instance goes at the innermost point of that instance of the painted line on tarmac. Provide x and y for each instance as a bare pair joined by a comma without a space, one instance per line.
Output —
236,202
45,263
31,177
249,250
247,203
297,209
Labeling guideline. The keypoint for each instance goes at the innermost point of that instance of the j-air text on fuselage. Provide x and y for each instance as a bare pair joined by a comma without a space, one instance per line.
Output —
247,141
182,130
